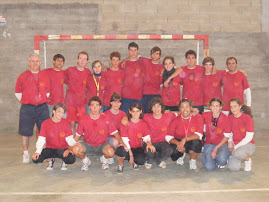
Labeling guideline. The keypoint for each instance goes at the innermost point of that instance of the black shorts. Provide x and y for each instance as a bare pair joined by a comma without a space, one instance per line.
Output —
31,115
172,108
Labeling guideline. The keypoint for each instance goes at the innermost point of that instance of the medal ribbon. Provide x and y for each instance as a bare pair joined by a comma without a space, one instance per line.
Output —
186,130
97,84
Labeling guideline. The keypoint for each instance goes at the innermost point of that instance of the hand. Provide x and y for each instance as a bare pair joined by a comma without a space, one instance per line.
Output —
180,146
131,161
125,121
151,147
162,71
214,71
104,68
243,72
124,146
166,83
233,151
66,152
214,153
35,156
230,145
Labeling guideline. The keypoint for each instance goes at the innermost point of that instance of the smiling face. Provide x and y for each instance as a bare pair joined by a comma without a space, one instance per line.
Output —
58,114
215,107
191,60
168,64
185,109
157,109
232,65
34,64
235,108
135,113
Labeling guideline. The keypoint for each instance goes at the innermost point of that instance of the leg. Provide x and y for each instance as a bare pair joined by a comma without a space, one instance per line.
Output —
176,154
164,152
150,156
25,142
139,156
70,159
223,155
108,151
45,154
193,147
121,154
113,142
208,162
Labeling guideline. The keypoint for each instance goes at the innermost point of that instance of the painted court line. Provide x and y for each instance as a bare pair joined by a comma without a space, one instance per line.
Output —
138,193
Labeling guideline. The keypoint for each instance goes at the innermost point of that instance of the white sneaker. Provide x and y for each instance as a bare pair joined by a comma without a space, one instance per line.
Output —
148,165
105,166
104,162
193,165
221,167
180,160
51,163
85,164
110,160
64,166
162,164
135,166
248,165
25,158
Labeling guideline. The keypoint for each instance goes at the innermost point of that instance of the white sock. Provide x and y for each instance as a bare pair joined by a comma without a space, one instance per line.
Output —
26,152
85,159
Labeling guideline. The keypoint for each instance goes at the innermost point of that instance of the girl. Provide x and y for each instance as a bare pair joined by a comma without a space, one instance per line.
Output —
170,94
216,151
132,135
56,133
242,143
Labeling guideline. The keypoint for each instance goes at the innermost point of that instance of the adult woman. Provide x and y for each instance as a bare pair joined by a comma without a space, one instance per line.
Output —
216,151
242,127
170,94
185,134
132,135
56,133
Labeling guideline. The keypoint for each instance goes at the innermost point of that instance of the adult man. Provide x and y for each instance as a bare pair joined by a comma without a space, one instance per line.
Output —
95,128
56,77
32,90
76,80
235,84
132,88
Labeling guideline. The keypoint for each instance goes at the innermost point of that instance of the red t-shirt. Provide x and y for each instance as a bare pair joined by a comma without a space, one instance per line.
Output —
152,79
212,86
171,94
55,133
233,86
33,86
239,126
95,131
159,127
214,135
114,81
56,78
133,80
76,81
135,132
192,84
115,118
180,127
92,87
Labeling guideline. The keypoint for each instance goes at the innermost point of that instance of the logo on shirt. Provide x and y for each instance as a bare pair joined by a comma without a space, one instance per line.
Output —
62,134
242,130
193,129
175,83
119,81
219,131
62,81
102,87
163,129
101,132
138,70
196,79
157,73
236,84
42,84
84,81
139,135
215,84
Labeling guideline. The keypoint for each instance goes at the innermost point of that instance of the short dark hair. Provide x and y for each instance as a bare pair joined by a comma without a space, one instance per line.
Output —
55,57
115,97
96,99
185,100
190,52
154,101
115,54
83,53
58,105
169,58
231,58
138,106
208,59
132,44
155,49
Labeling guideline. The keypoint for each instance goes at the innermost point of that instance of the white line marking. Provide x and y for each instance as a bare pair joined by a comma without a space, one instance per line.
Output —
137,193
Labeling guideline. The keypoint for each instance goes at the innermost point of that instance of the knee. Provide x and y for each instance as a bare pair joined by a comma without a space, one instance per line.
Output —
233,165
114,143
109,152
140,159
239,154
209,166
120,152
168,151
222,160
78,149
70,159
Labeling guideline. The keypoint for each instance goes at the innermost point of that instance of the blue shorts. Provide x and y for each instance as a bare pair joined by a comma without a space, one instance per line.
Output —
31,115
126,102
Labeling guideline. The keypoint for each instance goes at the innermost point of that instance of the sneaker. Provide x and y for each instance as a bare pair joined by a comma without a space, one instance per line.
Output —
85,165
25,158
248,165
180,160
105,166
110,160
51,163
104,162
162,164
64,166
120,169
148,165
193,165
221,167
135,166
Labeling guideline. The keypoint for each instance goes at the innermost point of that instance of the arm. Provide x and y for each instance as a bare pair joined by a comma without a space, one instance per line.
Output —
18,96
246,140
121,142
214,152
41,141
131,161
247,93
147,140
176,73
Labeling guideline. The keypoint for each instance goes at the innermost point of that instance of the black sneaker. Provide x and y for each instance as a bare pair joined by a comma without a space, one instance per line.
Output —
51,163
120,169
135,166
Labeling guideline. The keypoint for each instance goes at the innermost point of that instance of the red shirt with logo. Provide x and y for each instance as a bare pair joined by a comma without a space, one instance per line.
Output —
135,132
239,126
76,81
192,84
92,86
233,86
171,94
159,127
180,127
115,118
133,80
214,134
55,133
95,131
56,78
33,87
114,80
